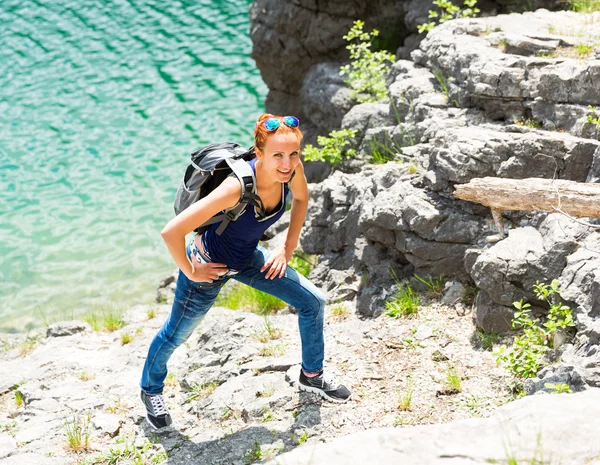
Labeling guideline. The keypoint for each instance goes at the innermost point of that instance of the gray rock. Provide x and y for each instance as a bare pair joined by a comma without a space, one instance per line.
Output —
67,328
35,459
325,97
107,423
490,316
543,423
454,294
291,37
8,445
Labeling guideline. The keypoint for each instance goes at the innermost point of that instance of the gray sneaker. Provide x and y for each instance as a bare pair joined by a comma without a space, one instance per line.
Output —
156,410
325,387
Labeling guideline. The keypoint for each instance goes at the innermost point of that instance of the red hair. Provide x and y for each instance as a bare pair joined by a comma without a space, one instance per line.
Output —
261,134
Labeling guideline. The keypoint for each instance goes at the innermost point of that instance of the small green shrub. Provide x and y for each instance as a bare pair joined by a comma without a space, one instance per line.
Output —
447,11
266,392
558,388
405,397
404,302
339,311
435,287
126,338
367,70
252,455
160,458
593,117
151,313
334,149
585,6
202,390
524,358
78,432
19,398
487,340
242,297
453,380
267,415
273,350
267,332
302,263
299,440
109,318
527,122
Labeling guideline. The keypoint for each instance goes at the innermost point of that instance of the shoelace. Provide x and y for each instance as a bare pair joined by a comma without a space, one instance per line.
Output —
158,405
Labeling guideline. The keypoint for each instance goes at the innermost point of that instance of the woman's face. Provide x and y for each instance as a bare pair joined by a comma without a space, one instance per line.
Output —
280,156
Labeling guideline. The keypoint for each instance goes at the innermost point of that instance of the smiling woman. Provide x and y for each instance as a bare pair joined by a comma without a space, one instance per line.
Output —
213,258
100,108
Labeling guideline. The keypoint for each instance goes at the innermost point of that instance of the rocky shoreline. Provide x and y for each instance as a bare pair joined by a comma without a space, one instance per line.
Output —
229,391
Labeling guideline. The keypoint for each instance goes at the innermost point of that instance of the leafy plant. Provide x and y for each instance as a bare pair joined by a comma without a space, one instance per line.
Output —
241,297
593,117
299,440
559,388
267,415
448,11
524,358
527,122
368,69
334,149
302,263
151,313
19,398
585,6
252,455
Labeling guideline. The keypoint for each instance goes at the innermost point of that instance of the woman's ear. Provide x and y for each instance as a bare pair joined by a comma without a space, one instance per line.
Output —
258,153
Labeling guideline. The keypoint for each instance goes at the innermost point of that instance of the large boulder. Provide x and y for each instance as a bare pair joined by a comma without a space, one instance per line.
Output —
507,271
291,37
527,429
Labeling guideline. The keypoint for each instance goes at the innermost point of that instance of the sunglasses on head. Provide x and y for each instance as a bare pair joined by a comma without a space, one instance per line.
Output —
271,124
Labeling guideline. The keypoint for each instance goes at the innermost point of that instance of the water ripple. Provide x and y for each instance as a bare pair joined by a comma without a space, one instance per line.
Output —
101,106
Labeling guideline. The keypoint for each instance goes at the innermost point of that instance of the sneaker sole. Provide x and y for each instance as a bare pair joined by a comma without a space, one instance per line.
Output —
322,393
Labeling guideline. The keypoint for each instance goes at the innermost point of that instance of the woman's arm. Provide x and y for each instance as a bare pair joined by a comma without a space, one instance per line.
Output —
299,188
225,196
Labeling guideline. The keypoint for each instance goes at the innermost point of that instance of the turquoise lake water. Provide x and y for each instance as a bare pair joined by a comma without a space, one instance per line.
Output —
100,105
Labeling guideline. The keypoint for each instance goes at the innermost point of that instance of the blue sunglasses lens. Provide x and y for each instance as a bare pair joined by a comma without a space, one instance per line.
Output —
271,124
291,121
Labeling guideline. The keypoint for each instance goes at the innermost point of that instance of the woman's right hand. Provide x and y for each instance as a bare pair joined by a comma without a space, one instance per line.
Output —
207,272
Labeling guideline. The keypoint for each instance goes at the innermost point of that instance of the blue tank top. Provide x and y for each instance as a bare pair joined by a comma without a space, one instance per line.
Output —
236,245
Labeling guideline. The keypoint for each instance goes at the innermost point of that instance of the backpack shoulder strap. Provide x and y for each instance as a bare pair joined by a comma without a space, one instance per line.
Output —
247,179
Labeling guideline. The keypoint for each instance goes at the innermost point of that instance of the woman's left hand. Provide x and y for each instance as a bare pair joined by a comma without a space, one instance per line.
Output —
277,263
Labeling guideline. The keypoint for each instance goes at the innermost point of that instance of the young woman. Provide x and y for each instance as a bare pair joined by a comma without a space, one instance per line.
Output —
210,260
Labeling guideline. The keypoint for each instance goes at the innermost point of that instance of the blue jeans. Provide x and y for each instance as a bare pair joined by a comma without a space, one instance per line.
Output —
193,300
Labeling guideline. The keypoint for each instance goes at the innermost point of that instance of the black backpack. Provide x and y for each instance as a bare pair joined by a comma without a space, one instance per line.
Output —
209,167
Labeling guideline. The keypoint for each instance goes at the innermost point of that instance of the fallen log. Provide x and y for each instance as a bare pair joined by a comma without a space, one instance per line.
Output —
534,194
